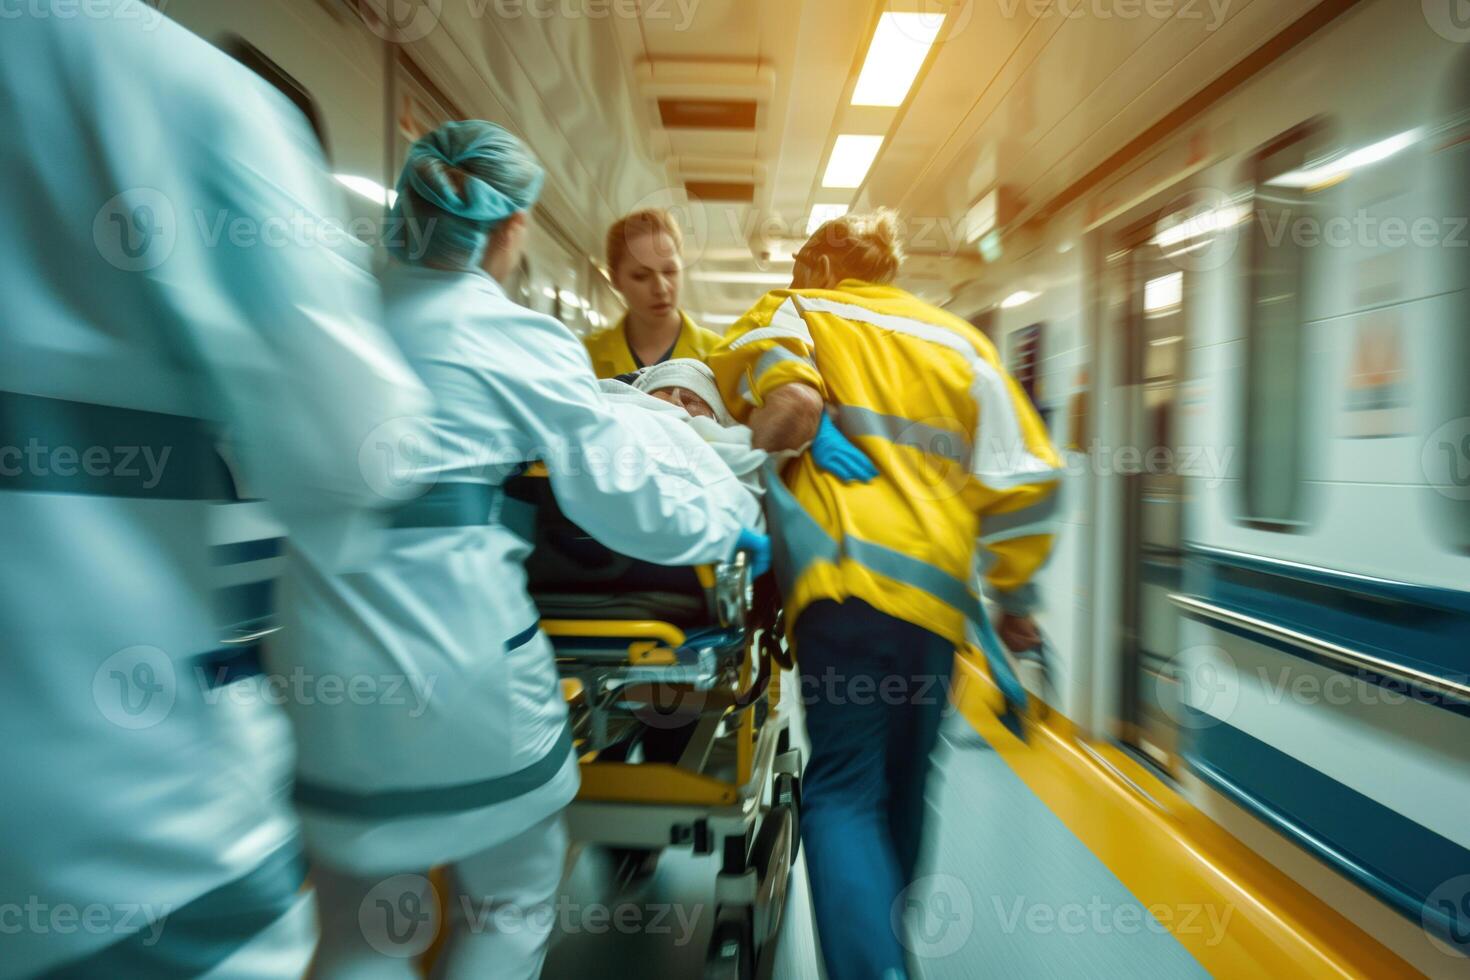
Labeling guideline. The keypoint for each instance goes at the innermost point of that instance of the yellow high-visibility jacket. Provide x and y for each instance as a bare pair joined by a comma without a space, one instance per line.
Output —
611,355
969,479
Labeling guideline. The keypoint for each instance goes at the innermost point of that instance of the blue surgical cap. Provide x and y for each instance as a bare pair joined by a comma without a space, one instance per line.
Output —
459,183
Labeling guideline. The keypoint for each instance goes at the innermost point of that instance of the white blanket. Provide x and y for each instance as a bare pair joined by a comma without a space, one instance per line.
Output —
721,454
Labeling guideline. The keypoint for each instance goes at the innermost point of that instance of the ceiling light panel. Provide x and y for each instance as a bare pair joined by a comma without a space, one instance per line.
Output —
900,46
852,158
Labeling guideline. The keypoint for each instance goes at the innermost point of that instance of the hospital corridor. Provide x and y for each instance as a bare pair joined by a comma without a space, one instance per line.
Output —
735,489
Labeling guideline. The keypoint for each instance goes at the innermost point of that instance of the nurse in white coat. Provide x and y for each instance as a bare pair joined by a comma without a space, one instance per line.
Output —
135,837
473,764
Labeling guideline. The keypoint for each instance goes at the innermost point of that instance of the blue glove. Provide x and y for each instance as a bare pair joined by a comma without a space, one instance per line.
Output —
757,547
836,454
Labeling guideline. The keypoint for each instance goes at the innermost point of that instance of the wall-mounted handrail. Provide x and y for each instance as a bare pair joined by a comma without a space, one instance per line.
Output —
1327,649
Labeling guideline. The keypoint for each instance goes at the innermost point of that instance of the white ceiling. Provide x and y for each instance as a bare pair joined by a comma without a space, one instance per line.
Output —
1015,94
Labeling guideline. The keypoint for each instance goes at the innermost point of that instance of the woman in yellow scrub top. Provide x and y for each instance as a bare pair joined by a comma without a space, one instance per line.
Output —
645,258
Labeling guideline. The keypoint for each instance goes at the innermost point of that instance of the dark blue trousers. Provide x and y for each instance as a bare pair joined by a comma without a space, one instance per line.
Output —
874,689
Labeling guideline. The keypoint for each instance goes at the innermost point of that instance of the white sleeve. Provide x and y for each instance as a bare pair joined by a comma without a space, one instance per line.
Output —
284,323
616,472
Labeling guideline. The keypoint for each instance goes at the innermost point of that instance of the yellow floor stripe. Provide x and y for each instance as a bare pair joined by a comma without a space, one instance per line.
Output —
1170,855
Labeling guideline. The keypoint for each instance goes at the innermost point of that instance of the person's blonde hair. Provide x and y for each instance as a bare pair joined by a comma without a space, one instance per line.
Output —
649,221
859,246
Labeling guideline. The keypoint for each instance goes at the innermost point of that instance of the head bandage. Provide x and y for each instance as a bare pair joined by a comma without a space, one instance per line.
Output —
691,375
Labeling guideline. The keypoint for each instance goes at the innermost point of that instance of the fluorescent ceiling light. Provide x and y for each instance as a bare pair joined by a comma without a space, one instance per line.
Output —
752,278
1163,293
370,189
823,213
899,48
1016,299
1342,167
1201,225
852,158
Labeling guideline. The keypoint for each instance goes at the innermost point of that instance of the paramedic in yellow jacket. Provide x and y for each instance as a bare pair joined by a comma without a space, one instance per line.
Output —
926,463
645,260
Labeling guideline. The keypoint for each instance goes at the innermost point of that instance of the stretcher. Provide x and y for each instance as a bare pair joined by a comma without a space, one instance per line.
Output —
672,677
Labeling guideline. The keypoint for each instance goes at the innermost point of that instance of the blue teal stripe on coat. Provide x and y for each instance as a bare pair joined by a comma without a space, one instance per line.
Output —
400,804
195,938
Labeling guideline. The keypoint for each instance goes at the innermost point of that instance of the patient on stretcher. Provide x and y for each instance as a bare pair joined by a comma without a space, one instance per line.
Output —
678,412
683,397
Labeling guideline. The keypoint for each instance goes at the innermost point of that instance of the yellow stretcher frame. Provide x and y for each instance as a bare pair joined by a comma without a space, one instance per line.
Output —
668,783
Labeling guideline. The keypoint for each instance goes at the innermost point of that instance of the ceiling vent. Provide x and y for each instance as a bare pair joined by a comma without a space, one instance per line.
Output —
707,114
716,190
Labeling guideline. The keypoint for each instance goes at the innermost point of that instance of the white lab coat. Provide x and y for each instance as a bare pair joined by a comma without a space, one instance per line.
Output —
131,793
442,772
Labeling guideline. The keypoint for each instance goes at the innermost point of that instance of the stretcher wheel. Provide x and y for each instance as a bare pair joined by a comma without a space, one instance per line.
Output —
771,857
731,953
787,793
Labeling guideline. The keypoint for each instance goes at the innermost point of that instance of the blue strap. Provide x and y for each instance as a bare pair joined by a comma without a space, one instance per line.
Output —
401,804
195,938
449,505
51,445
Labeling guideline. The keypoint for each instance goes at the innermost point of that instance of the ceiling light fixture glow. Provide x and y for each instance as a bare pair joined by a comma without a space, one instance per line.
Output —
1019,298
368,188
1343,167
1199,226
852,158
900,46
